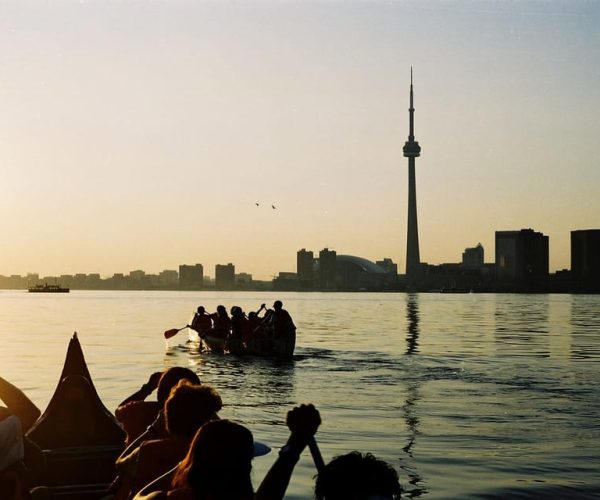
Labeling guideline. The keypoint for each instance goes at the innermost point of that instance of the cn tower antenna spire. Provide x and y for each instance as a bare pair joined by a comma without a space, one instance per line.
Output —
411,110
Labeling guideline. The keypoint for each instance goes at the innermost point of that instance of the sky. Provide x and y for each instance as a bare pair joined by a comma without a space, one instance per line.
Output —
141,135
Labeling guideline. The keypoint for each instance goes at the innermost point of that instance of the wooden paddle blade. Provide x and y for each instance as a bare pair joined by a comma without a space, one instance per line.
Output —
171,333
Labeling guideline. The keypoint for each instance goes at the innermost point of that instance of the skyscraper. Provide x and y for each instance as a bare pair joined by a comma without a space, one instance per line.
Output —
521,257
327,269
191,276
585,259
411,151
225,276
304,268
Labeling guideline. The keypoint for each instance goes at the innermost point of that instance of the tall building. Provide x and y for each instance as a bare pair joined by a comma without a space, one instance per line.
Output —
225,276
304,268
473,257
327,269
521,257
191,276
585,259
411,151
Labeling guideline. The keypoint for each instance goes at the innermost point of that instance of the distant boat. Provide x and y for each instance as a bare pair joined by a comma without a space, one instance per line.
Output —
46,288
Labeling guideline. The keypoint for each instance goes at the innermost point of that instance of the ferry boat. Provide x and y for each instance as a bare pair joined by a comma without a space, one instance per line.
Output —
46,288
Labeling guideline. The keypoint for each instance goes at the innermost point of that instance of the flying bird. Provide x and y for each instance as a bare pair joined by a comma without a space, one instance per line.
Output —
273,206
257,204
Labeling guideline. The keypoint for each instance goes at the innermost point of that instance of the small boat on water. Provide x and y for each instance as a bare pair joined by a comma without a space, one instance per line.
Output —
46,288
78,435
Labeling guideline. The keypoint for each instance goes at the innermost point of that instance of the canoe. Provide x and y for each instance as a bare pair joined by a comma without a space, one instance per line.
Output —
264,344
213,343
78,435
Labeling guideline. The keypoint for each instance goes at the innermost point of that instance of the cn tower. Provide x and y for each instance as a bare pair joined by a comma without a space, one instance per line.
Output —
411,151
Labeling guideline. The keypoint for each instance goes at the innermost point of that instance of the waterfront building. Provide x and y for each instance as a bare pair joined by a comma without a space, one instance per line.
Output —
243,279
225,276
79,280
411,151
305,261
522,257
191,276
327,269
585,259
168,278
472,258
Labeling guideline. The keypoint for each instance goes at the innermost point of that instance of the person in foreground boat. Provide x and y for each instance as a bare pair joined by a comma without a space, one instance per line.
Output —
188,407
16,418
357,476
136,414
219,462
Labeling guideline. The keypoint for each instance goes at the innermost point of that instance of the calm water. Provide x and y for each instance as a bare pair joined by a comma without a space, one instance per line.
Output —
470,395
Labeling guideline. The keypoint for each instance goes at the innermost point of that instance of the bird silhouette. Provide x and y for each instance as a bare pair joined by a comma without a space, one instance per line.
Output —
273,207
257,204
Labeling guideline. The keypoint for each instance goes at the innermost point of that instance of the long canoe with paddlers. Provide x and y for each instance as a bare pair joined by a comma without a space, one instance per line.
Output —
269,339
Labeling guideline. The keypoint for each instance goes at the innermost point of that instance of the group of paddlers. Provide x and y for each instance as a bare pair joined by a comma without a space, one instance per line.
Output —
241,329
178,448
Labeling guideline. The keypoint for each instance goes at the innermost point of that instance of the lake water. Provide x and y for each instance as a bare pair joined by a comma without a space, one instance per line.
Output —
467,395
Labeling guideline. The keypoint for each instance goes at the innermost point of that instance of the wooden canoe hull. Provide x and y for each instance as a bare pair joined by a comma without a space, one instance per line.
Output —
265,345
79,437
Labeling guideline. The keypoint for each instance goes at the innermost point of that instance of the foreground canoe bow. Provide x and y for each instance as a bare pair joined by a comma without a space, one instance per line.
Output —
79,437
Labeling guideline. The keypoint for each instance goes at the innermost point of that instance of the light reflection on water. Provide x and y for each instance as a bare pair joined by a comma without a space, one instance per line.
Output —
466,394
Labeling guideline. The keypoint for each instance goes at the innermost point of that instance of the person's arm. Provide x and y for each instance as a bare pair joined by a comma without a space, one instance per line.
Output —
143,392
128,464
303,422
154,431
18,404
157,488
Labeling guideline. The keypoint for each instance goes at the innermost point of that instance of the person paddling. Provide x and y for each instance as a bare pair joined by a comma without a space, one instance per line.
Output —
280,319
201,322
221,323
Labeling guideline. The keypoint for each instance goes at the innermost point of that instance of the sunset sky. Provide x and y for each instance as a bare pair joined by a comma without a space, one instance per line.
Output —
141,135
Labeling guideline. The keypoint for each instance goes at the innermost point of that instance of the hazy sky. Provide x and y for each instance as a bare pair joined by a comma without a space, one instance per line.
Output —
140,135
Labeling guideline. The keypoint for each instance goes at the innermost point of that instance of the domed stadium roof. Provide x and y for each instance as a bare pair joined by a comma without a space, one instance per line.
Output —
364,264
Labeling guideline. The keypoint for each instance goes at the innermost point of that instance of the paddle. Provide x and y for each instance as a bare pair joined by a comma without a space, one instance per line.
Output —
174,331
316,455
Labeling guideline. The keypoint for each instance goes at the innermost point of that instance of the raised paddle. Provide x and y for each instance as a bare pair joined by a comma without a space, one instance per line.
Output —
174,331
316,455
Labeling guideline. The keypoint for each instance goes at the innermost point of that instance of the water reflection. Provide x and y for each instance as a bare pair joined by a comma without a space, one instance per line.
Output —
412,317
522,325
409,410
585,324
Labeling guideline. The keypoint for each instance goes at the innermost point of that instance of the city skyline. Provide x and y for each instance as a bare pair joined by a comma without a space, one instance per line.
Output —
143,135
